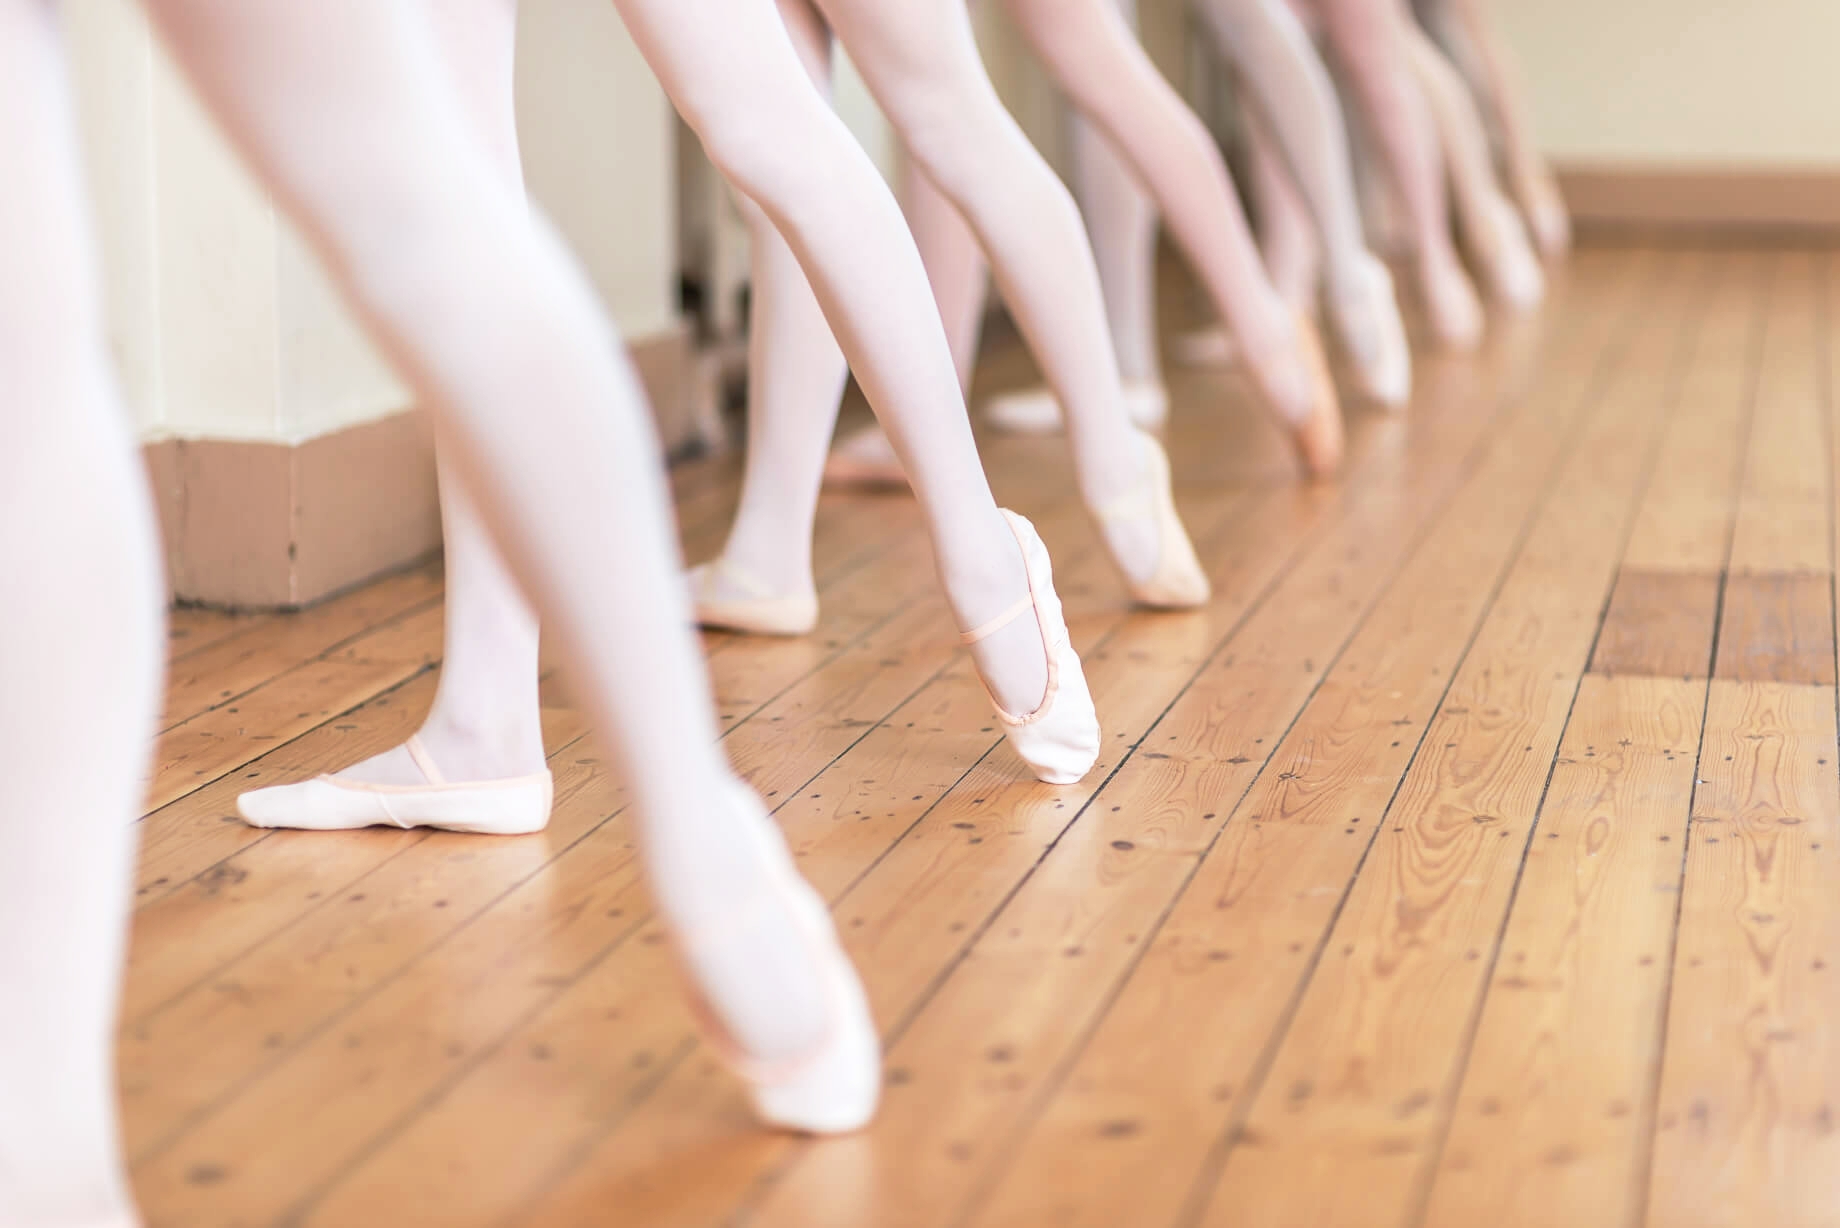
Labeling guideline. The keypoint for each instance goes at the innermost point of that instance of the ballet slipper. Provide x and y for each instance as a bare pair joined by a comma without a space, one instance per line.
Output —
513,806
834,1088
865,459
1547,219
1036,411
1365,315
1506,256
1317,433
1204,347
1059,740
1452,308
1178,581
759,611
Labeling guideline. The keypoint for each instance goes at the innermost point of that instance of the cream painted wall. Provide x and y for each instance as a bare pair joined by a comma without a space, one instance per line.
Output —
1715,83
600,154
221,322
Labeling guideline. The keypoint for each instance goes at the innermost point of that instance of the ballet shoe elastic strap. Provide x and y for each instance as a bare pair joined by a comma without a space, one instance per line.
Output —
999,622
1050,647
421,758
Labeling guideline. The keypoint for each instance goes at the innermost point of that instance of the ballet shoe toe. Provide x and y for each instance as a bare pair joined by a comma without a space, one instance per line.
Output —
1455,312
1060,739
835,1088
1368,322
1516,278
1178,581
1318,436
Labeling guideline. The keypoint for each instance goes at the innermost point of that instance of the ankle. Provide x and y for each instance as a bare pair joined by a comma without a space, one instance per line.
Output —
985,575
780,561
485,741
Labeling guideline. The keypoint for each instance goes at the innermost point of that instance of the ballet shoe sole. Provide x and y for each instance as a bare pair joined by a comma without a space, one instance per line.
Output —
486,808
750,618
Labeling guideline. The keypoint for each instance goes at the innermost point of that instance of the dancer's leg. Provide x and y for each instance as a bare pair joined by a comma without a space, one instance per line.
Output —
1291,93
1121,225
920,60
1121,222
1093,55
955,264
1464,30
484,724
1489,223
1367,37
762,580
79,663
1287,234
352,119
1121,219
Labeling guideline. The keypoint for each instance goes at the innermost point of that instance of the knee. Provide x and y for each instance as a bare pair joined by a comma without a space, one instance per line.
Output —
756,145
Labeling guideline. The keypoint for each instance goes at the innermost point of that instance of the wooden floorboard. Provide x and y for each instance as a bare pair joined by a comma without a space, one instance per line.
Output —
1469,859
1552,1119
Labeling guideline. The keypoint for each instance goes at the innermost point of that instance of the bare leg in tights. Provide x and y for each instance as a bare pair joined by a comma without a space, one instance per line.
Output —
1368,40
1463,30
1297,118
80,661
1496,239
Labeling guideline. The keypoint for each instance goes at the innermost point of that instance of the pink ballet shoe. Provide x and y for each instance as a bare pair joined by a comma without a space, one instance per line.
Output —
1059,740
834,1088
865,459
1036,411
1506,254
514,806
759,612
1178,581
1365,315
1547,219
1452,308
1318,436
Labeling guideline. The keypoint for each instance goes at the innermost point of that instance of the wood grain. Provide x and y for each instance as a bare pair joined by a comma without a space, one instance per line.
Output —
1659,625
1344,1126
1750,1081
1777,628
1552,1122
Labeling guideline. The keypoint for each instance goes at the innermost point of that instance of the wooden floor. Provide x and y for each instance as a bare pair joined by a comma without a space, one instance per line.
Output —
1472,859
